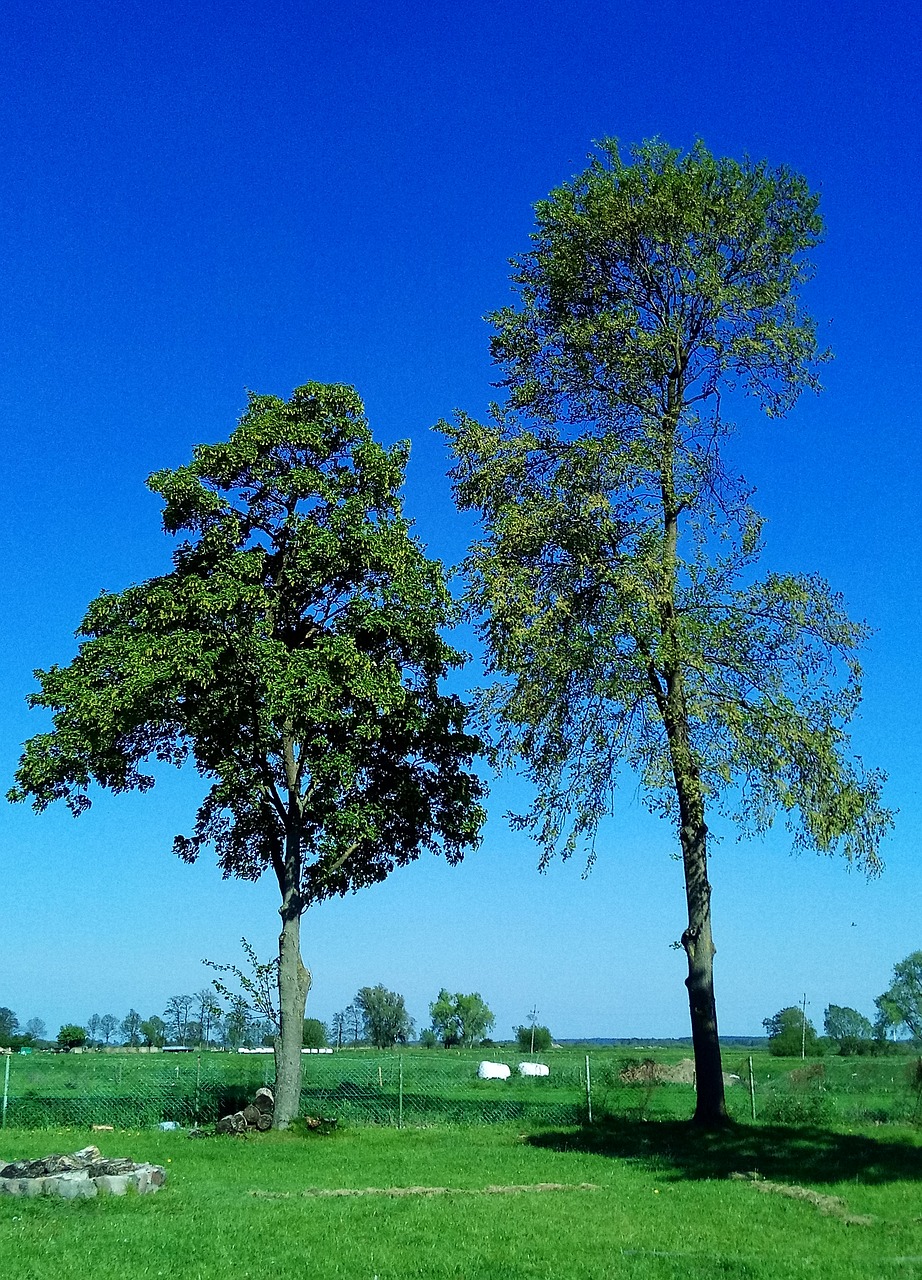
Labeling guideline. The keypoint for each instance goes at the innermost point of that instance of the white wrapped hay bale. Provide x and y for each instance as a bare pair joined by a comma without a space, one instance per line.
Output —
493,1071
533,1069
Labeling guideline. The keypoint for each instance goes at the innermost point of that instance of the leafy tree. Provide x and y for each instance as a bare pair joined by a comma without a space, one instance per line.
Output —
900,1006
131,1028
153,1032
385,1021
177,1015
9,1025
614,580
842,1023
71,1036
354,1022
294,653
460,1019
428,1039
789,1035
108,1024
445,1022
35,1029
315,1034
533,1039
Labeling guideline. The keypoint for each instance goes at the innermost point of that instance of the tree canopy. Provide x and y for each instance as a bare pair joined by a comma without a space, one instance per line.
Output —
614,581
384,1017
840,1022
900,1006
790,1034
294,654
459,1018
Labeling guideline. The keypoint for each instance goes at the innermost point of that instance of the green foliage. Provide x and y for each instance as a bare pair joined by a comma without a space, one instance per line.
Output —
790,1034
315,1034
153,1031
131,1028
614,580
384,1017
900,1006
294,654
533,1039
9,1025
460,1019
71,1036
428,1039
842,1023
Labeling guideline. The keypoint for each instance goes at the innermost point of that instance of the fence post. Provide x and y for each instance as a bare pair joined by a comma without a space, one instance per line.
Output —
6,1090
588,1091
198,1083
752,1091
400,1097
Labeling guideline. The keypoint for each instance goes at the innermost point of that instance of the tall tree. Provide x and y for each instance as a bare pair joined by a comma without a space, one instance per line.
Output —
615,576
35,1029
177,1015
153,1031
9,1025
294,654
108,1025
841,1022
900,1006
92,1028
131,1028
384,1016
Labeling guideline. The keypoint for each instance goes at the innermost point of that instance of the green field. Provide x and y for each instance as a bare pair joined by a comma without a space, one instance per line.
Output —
419,1087
659,1203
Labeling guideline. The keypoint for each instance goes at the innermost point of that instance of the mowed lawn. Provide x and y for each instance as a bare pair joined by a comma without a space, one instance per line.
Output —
661,1204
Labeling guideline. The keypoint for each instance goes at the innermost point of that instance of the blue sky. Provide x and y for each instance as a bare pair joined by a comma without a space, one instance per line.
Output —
199,202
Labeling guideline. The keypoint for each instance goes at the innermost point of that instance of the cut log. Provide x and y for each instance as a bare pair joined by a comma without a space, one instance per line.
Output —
264,1100
264,1123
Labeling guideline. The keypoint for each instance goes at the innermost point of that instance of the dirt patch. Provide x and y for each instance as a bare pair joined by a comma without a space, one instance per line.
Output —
831,1206
512,1189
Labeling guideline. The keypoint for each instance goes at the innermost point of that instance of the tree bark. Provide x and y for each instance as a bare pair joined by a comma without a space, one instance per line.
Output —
710,1109
294,984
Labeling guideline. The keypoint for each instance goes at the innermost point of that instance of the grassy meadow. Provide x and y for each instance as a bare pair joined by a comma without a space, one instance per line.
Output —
628,1198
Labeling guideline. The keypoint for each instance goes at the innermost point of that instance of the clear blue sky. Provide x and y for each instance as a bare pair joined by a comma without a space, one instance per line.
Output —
199,200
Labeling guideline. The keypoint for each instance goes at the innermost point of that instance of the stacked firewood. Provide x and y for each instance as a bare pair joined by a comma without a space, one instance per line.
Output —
256,1116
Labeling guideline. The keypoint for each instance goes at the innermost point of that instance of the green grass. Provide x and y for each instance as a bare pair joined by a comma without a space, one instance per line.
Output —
664,1206
441,1087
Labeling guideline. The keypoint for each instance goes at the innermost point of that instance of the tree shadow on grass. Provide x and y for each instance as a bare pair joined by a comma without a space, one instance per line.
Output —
676,1149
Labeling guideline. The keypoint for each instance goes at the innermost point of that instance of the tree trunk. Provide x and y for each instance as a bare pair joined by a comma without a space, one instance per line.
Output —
294,984
710,1110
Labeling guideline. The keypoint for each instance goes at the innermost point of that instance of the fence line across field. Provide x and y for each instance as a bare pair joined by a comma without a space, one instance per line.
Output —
429,1087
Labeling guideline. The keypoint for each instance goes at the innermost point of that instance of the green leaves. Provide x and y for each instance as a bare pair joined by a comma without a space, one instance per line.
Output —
614,583
294,653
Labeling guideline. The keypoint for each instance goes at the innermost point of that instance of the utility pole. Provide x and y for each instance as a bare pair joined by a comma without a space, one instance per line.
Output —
533,1016
803,1029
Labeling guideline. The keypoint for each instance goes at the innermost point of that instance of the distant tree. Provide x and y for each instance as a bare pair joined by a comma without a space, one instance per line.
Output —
428,1039
108,1025
177,1015
71,1036
446,1024
153,1032
354,1023
385,1021
131,1028
788,1035
338,1028
532,1038
256,990
208,1013
900,1006
239,1024
92,1029
295,654
315,1034
615,571
459,1018
35,1029
841,1022
9,1025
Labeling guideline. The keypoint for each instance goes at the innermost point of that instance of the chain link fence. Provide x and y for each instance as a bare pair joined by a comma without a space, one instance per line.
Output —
442,1087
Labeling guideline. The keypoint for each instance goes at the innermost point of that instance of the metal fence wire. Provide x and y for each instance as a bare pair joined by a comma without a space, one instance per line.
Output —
420,1087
